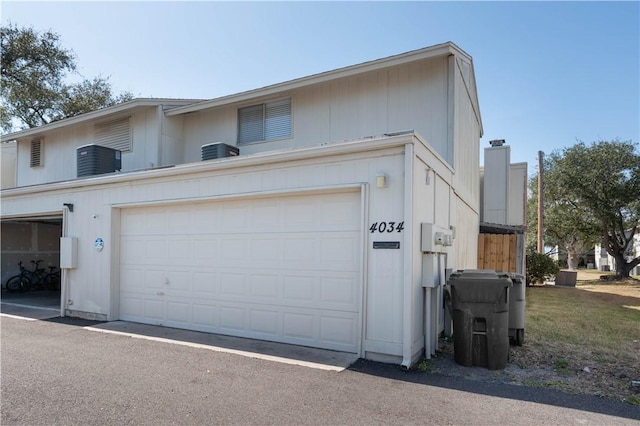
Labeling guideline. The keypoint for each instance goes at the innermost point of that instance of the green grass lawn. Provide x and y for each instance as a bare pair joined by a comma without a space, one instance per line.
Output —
596,326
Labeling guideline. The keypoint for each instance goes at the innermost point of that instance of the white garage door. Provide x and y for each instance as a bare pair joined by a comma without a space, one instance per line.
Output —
285,269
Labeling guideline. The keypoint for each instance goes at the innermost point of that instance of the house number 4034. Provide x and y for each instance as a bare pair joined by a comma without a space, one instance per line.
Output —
387,227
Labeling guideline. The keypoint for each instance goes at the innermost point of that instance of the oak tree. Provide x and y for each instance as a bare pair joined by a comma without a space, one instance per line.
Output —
593,192
33,84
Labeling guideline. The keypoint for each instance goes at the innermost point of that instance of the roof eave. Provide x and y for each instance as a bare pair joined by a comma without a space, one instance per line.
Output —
443,49
115,109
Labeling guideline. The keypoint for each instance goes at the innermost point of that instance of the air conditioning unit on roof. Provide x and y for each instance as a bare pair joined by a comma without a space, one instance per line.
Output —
96,160
216,150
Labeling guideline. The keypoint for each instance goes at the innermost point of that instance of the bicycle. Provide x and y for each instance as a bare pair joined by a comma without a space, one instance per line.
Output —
35,279
43,280
52,279
38,276
20,282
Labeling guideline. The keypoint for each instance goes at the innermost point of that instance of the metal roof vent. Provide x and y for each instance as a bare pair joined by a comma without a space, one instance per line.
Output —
97,160
496,142
216,150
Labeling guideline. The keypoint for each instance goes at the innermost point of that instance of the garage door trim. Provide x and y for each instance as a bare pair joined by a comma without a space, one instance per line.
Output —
359,237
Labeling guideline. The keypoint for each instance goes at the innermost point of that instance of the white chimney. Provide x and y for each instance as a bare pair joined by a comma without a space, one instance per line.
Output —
497,161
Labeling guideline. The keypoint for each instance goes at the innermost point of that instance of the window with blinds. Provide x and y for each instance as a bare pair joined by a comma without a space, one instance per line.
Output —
36,153
114,134
264,122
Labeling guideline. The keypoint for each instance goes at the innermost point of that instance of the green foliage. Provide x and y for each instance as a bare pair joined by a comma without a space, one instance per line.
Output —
591,194
425,366
540,267
33,90
565,224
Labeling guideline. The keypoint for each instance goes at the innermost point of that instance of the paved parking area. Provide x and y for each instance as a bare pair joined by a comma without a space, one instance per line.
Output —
70,371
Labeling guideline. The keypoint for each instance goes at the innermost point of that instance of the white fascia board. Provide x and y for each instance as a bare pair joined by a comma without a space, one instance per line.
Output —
444,49
259,159
115,109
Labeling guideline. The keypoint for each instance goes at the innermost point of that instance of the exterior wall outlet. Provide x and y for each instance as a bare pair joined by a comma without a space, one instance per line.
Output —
434,239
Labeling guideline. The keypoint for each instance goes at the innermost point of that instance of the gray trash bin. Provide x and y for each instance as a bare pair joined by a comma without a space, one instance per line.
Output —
480,311
517,303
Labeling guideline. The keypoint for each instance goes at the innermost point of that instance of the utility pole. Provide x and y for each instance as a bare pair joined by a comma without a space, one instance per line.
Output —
540,200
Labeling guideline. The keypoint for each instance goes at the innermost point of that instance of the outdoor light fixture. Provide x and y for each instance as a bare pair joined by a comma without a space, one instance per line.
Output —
382,181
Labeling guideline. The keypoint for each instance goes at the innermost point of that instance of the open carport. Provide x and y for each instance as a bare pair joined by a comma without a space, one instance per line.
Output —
27,240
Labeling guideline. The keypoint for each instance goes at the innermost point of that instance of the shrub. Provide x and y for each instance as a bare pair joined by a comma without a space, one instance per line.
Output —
540,267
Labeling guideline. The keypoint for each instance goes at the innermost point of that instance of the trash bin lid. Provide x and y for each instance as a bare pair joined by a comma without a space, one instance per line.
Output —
478,286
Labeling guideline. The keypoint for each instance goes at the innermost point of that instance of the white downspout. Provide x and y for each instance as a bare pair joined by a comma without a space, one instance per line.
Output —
407,322
63,272
427,322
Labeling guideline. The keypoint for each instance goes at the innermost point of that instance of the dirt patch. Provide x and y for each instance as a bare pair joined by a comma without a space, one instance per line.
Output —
630,290
566,366
538,365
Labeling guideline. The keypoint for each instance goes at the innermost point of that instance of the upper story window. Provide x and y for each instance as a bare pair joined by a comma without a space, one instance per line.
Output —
36,159
114,134
265,122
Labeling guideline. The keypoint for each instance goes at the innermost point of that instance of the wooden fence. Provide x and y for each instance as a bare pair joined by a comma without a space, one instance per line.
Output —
498,251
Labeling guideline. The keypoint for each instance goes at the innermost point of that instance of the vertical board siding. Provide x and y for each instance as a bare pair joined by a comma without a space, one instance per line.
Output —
497,251
406,97
61,146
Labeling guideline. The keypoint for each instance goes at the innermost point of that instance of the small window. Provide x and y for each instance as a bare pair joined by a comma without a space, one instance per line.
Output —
114,134
265,122
36,153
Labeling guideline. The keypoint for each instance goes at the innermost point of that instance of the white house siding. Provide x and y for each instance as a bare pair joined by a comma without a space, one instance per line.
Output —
392,288
8,166
518,194
60,148
466,134
172,151
370,104
92,286
432,203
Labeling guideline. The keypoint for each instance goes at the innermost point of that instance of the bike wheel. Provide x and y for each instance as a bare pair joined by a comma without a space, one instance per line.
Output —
18,283
52,282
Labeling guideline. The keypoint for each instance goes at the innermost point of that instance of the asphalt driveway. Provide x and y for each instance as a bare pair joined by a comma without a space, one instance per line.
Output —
65,371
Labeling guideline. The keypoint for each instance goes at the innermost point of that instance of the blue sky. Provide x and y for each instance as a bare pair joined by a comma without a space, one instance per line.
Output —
548,73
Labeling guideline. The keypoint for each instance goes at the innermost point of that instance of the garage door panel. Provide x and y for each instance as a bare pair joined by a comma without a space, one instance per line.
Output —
179,312
338,251
299,326
206,315
134,277
154,309
284,269
338,291
179,280
233,285
232,318
206,282
267,249
234,250
265,286
297,288
267,216
265,321
338,330
180,250
206,249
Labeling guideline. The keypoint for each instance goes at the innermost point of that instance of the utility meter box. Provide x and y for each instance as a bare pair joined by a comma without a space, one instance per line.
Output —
68,252
434,238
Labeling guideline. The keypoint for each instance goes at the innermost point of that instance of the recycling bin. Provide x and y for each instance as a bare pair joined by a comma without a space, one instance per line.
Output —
516,308
480,311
